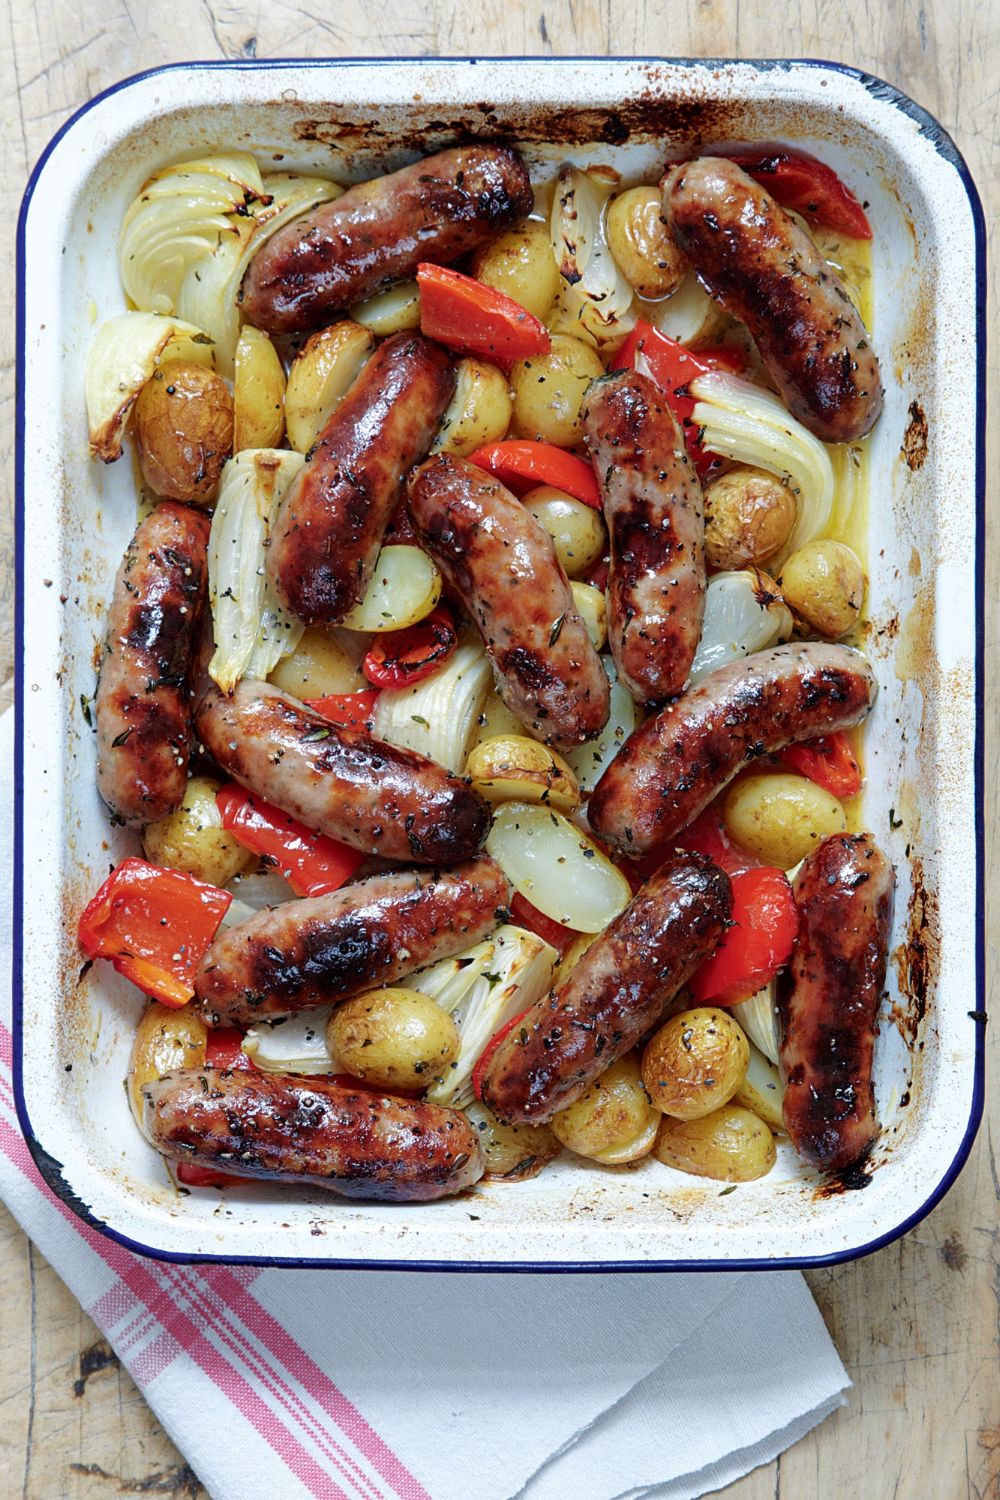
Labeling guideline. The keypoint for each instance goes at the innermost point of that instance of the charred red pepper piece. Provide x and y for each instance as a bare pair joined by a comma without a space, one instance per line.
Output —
154,926
829,761
462,313
312,863
401,657
521,464
765,923
809,187
671,367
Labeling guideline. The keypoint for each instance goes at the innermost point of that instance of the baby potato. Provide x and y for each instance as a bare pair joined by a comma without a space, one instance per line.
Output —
513,1153
592,607
184,431
729,1145
479,412
613,1122
642,245
322,373
396,1038
319,667
258,392
165,1039
513,768
695,1063
549,391
193,839
391,311
824,583
520,264
781,817
577,531
749,514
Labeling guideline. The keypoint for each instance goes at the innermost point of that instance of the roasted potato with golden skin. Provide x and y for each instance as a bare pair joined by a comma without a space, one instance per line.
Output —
749,515
319,667
613,1122
824,583
549,390
514,768
258,393
781,817
479,411
165,1039
396,1038
193,839
184,431
513,1153
520,264
322,373
729,1145
695,1063
642,245
577,531
592,607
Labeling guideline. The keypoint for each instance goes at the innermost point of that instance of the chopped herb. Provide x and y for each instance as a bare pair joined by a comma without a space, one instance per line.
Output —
556,630
314,735
727,1190
121,739
419,719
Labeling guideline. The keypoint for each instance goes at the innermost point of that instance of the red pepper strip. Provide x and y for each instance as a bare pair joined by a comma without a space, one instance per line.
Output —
464,314
401,657
154,926
809,187
829,761
707,835
765,924
523,464
347,710
672,367
483,1062
224,1050
554,933
191,1175
312,863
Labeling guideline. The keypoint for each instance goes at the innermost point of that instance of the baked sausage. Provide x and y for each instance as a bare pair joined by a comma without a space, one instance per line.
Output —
438,210
326,536
343,782
142,706
755,262
828,999
616,992
311,1132
674,764
504,565
654,508
325,948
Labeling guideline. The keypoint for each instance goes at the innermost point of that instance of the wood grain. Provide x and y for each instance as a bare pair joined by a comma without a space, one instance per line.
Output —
918,1325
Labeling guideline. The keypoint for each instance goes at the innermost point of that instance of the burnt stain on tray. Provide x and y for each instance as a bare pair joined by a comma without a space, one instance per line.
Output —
914,446
649,116
916,959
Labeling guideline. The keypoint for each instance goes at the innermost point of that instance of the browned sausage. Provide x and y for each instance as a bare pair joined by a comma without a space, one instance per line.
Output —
436,210
828,999
764,270
343,782
503,564
674,764
614,994
329,527
655,513
142,706
313,1133
325,948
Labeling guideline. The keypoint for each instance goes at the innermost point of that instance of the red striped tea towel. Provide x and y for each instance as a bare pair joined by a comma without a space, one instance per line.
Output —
371,1385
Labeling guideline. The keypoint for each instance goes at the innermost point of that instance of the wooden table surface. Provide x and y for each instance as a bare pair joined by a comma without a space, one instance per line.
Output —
918,1324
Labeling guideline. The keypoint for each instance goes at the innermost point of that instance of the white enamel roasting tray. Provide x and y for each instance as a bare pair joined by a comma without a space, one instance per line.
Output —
923,802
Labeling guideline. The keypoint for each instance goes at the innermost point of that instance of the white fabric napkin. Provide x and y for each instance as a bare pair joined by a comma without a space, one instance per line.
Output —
369,1385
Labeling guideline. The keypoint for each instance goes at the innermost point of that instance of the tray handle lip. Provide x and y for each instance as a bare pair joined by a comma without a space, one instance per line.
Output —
48,1165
